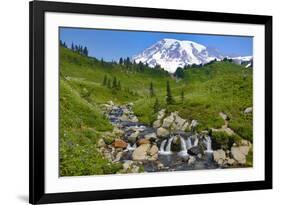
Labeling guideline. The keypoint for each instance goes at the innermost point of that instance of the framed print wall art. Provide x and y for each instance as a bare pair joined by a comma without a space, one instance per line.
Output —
140,102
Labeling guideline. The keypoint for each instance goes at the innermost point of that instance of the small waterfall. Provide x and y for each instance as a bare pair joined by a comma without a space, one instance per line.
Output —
129,147
183,151
208,143
188,143
162,146
195,142
168,148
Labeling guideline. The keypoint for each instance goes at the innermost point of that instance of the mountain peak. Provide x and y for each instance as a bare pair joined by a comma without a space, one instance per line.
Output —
172,53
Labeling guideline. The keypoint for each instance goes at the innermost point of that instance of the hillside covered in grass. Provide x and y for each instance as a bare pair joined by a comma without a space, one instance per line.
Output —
86,83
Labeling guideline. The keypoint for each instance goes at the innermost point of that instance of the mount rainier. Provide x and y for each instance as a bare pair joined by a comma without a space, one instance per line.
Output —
171,54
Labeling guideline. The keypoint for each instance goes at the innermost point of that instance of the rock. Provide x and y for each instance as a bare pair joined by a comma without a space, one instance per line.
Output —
248,110
107,155
157,124
194,150
162,132
244,150
101,143
167,122
140,153
153,150
245,143
118,143
127,165
124,117
238,155
133,137
219,156
110,103
161,114
117,132
185,126
150,136
118,157
224,116
178,122
135,169
134,119
191,160
193,124
160,165
230,161
143,141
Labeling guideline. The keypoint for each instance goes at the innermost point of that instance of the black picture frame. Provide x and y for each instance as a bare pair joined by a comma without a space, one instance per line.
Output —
37,194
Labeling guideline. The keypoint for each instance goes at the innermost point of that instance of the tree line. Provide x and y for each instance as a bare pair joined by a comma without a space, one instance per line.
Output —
82,50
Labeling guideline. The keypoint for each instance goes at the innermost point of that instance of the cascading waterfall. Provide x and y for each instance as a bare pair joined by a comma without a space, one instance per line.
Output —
188,143
162,146
183,151
168,148
208,143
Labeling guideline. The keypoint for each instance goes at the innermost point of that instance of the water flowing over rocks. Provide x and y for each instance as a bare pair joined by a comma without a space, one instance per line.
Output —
172,143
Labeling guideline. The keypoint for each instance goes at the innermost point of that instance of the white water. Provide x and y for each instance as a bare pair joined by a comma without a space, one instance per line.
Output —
208,143
129,147
183,151
188,143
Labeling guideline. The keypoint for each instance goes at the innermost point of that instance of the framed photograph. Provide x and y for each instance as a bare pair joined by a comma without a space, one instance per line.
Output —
140,102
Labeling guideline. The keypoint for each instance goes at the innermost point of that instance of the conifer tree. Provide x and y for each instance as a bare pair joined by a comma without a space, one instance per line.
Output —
114,84
151,90
182,95
121,61
119,85
169,97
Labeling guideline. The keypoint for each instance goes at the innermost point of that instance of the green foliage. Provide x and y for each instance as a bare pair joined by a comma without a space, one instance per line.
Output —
225,141
203,92
151,90
179,73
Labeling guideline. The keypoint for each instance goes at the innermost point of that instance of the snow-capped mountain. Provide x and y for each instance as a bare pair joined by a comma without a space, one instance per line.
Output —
171,54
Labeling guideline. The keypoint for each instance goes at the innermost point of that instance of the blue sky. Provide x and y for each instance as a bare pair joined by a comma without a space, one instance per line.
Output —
113,44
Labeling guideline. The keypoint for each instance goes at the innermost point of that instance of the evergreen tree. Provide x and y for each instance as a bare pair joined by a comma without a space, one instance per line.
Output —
151,90
156,106
179,73
72,46
169,97
85,51
182,95
104,80
121,61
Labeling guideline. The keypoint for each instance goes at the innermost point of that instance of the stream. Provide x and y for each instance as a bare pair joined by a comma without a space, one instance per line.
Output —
177,150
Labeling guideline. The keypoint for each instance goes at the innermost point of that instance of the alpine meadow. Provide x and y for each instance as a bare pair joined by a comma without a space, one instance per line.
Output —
175,104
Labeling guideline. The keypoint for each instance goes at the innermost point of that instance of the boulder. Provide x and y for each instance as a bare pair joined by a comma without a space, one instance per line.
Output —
133,137
185,126
191,160
153,150
157,124
140,153
135,169
127,165
230,161
238,155
161,114
162,132
248,110
193,124
168,121
150,136
118,143
219,156
143,141
118,157
194,150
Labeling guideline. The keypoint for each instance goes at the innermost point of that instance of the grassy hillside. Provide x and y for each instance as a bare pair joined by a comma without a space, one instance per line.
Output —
218,87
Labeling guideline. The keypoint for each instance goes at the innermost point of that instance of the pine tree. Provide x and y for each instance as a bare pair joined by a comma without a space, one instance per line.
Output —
182,95
72,46
156,106
121,61
114,84
151,90
85,51
169,97
104,80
